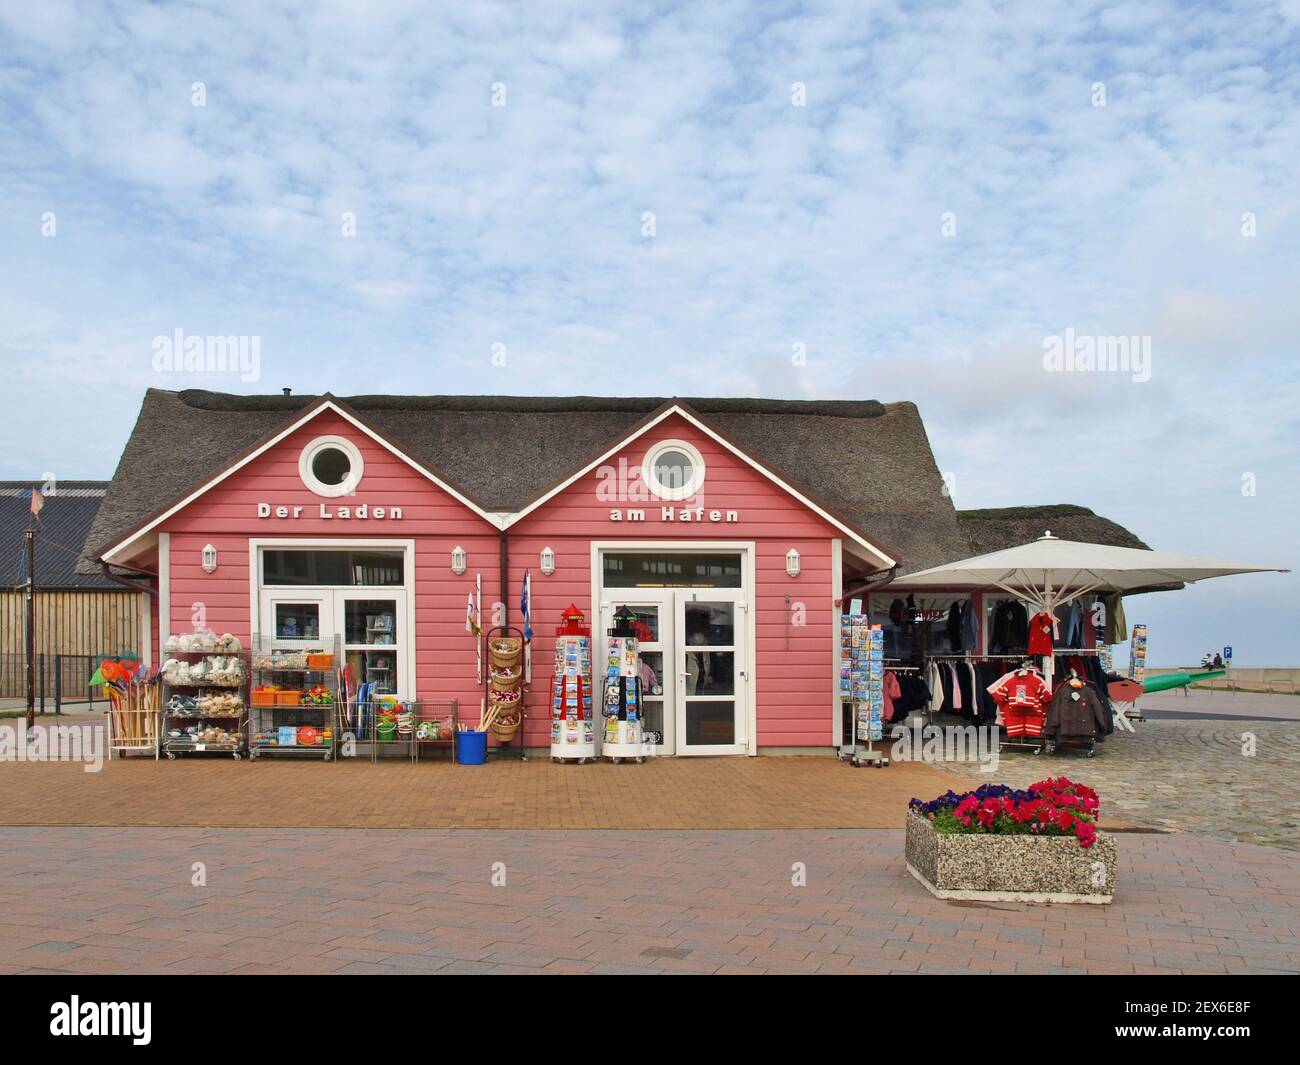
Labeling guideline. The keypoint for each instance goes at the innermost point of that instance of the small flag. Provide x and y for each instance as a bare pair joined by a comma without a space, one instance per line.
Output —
38,501
526,609
525,605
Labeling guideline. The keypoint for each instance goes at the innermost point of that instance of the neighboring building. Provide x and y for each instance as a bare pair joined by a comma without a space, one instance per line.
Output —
77,613
732,525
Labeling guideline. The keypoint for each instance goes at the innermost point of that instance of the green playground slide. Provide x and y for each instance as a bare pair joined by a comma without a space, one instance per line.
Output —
1165,681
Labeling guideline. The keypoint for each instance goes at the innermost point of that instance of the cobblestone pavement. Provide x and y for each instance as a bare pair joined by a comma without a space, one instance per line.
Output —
386,901
1185,775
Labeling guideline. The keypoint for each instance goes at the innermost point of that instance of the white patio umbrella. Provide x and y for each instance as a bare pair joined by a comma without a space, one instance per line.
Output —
1050,571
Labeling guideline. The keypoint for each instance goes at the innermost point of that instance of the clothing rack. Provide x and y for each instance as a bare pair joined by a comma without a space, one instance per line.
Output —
1034,744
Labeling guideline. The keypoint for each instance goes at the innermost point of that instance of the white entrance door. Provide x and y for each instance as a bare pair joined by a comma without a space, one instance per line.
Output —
695,668
712,671
655,618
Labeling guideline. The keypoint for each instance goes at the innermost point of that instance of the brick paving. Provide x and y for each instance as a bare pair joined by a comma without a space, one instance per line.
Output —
96,900
806,792
1186,775
668,793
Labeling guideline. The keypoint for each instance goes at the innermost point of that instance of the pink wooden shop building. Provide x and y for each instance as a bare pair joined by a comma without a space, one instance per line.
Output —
734,528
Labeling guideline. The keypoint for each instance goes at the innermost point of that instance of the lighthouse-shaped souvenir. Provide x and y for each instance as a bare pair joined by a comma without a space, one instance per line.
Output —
622,702
572,735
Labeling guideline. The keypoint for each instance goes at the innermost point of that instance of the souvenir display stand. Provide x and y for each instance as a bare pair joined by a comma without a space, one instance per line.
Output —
204,699
133,708
294,698
621,704
572,726
862,684
504,688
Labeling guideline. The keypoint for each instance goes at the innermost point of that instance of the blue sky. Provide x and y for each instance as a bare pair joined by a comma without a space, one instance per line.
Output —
948,195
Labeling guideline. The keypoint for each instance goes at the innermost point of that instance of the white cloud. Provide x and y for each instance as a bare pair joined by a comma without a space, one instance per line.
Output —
775,224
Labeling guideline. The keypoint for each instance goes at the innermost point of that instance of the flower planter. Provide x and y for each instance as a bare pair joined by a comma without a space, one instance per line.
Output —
1010,868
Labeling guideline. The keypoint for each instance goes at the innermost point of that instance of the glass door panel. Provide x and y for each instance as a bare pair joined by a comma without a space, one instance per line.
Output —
710,723
710,624
654,624
711,650
296,621
371,641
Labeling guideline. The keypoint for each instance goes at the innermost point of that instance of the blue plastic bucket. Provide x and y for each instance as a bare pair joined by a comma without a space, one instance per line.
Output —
471,748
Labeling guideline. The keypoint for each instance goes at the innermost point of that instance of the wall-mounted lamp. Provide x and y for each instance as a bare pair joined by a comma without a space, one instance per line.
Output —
209,559
458,560
792,562
548,561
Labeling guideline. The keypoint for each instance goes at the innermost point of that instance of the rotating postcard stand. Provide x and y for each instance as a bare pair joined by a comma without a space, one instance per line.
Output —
573,736
621,706
862,676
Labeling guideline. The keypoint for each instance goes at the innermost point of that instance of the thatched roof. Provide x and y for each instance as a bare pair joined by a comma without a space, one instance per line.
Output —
1002,527
870,462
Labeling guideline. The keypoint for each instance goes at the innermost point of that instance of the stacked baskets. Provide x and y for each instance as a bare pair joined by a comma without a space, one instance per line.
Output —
505,686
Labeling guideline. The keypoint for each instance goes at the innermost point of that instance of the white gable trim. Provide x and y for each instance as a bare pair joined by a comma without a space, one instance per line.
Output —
117,550
873,553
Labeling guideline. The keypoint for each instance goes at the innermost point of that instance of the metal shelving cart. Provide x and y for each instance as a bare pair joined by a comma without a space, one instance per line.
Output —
294,699
213,703
446,714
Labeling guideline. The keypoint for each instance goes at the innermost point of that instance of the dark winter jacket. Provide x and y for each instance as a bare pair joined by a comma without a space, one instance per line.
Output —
1075,719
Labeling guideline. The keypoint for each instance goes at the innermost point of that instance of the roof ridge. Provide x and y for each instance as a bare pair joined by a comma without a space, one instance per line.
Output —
231,402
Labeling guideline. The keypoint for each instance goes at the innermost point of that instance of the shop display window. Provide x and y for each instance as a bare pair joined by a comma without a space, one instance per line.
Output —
376,569
671,569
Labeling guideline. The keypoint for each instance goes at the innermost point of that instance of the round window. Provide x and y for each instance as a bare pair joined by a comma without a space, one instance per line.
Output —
673,469
331,466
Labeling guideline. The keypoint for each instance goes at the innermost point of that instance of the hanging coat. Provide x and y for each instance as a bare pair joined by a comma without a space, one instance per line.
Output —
1075,714
1116,626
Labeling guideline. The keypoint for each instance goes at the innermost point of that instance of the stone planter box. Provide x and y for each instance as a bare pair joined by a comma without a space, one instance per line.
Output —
1010,868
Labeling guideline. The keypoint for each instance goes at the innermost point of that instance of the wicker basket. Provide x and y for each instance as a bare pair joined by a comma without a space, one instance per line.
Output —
505,650
505,728
509,683
507,705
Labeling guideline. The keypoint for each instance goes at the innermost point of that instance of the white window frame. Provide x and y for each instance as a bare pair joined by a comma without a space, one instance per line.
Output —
406,590
663,491
345,486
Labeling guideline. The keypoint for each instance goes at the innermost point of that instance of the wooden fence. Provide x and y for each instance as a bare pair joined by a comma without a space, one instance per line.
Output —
91,622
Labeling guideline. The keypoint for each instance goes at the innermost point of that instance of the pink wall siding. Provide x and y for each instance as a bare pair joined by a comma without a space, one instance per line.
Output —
796,665
226,517
795,669
795,686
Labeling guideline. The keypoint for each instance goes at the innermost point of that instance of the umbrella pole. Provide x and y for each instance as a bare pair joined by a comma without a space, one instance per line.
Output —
1049,667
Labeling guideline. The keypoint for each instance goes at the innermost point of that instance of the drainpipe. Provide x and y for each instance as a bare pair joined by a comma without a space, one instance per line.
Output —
505,577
